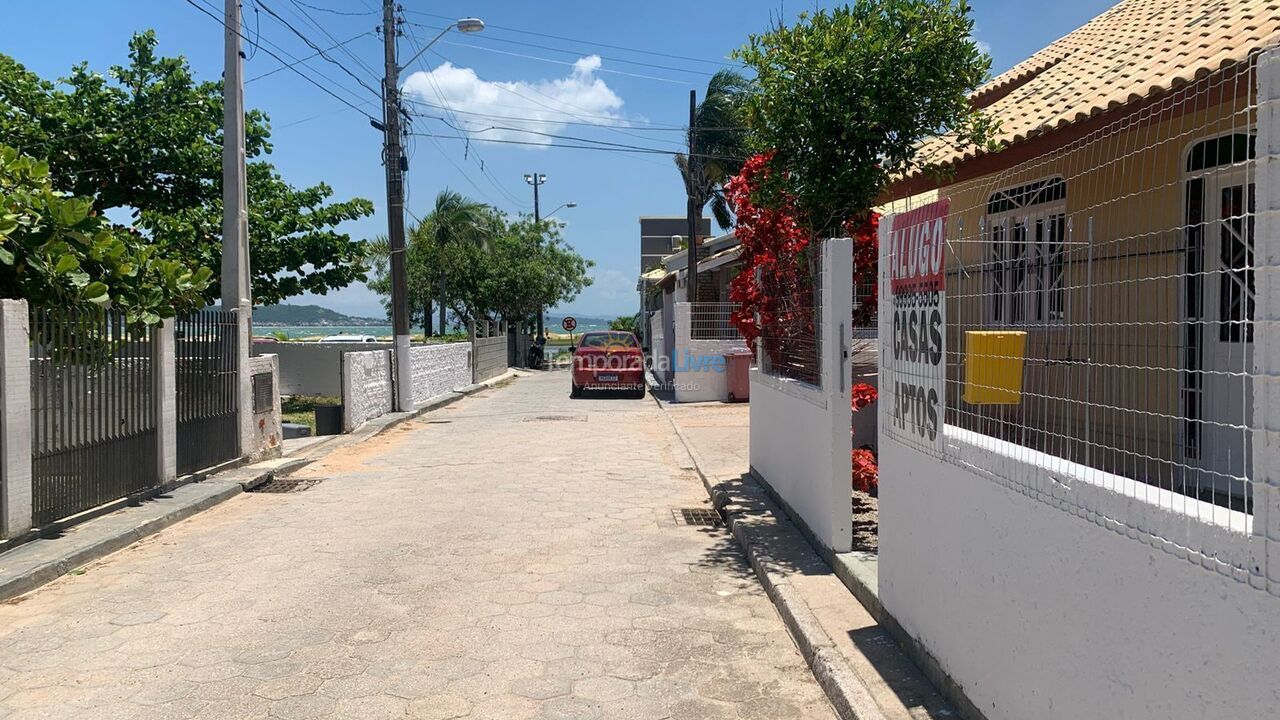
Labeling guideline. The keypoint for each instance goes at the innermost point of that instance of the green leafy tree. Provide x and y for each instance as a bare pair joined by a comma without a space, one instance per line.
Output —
720,141
519,267
56,252
146,138
626,323
845,97
530,267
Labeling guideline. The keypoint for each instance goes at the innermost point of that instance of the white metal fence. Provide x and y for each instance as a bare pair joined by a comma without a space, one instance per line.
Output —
713,321
1102,321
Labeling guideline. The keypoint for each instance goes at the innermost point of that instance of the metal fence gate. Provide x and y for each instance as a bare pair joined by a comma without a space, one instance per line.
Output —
93,415
206,346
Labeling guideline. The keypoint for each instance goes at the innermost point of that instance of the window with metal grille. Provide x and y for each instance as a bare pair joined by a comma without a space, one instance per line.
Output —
1026,231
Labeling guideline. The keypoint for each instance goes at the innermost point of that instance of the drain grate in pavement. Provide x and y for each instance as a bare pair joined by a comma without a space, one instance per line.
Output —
700,517
286,485
556,418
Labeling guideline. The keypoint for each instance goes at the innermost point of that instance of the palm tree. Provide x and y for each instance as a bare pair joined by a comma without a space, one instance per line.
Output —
721,144
456,218
418,264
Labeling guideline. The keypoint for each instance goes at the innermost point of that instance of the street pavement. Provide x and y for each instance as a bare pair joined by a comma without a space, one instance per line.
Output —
514,555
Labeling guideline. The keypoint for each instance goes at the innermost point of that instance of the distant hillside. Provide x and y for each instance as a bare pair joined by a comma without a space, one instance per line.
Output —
289,315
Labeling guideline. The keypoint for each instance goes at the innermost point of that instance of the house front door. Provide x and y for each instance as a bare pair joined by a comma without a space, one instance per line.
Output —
1223,334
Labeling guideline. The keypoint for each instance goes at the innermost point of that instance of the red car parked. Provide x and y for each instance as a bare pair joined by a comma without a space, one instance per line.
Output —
608,360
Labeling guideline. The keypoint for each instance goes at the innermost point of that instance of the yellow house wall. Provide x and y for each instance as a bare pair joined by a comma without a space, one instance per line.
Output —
1103,387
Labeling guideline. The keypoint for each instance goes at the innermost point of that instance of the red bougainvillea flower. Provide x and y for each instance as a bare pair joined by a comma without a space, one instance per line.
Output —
866,472
863,395
774,287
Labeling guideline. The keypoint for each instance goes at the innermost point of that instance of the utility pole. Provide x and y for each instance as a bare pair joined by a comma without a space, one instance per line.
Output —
537,180
393,158
236,290
235,203
694,171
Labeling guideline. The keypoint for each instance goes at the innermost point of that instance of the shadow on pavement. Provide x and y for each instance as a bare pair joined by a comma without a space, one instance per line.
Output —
754,507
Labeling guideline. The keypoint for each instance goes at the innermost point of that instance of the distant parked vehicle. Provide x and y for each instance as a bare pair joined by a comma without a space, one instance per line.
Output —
608,360
349,339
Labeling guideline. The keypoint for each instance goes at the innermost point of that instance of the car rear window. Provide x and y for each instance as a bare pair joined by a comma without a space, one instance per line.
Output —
607,340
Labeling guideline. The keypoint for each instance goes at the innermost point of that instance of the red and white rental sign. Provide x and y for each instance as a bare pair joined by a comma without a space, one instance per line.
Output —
914,252
918,239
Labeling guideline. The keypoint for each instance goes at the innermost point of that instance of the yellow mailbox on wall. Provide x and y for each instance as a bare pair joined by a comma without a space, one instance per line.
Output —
993,361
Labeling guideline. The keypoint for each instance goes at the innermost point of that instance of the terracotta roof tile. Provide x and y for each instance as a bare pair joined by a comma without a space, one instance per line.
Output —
1134,50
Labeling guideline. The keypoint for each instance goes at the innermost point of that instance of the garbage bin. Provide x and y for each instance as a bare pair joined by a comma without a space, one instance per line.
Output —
737,368
328,419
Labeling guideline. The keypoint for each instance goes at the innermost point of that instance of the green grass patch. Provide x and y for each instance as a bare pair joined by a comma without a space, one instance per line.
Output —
301,408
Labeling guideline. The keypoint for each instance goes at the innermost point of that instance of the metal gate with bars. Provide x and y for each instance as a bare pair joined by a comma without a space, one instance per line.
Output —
206,347
93,415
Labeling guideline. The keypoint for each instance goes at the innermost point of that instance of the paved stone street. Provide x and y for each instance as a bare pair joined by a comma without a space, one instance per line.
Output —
511,556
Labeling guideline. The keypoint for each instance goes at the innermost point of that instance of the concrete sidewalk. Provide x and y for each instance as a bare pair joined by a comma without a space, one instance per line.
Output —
860,666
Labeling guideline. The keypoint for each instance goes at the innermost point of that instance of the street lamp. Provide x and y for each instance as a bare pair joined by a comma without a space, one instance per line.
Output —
570,205
466,25
395,169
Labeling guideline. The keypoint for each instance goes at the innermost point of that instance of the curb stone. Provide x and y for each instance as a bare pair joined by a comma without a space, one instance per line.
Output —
41,561
845,690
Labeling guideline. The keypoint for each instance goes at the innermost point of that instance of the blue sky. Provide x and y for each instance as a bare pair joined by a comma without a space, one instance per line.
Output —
575,87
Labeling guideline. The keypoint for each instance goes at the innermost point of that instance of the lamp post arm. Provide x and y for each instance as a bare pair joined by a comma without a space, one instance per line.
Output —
426,47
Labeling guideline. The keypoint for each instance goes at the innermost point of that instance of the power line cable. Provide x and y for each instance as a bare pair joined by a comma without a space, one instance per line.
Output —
504,128
563,104
625,149
563,62
576,52
282,61
412,35
317,116
299,11
316,47
312,56
559,121
587,42
257,31
331,11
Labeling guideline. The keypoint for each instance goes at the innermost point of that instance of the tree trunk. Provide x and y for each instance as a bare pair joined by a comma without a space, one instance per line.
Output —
443,300
426,320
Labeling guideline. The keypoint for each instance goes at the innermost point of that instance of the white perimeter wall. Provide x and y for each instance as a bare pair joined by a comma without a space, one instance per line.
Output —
792,450
700,370
800,433
366,387
1038,614
313,368
438,369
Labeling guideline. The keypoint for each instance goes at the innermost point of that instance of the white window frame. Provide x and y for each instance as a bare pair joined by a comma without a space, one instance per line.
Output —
1031,305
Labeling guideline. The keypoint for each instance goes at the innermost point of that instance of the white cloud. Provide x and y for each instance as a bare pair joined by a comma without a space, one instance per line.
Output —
983,45
544,106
